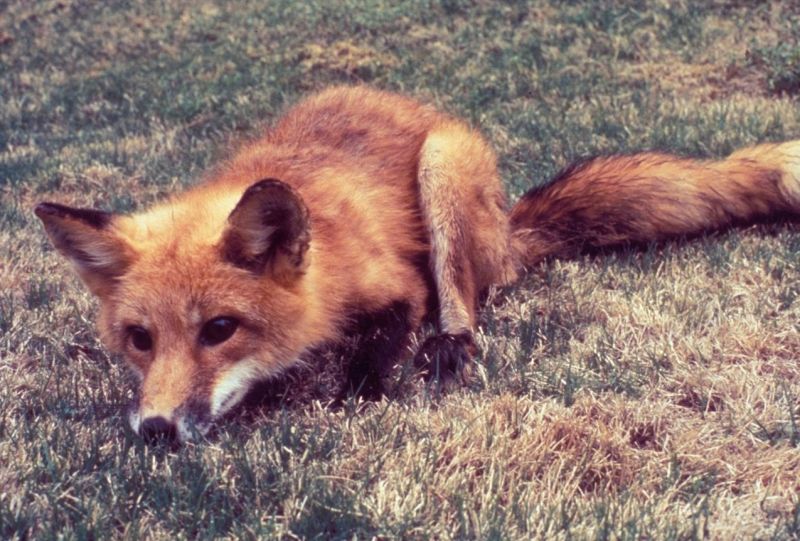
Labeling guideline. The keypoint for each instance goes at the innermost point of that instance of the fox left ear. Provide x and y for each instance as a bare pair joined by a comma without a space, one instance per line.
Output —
88,239
268,231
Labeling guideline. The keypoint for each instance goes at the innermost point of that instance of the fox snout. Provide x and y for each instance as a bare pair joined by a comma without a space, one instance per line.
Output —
182,411
155,429
187,423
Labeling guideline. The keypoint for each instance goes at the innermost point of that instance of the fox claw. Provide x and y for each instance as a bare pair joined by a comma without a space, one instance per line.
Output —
445,356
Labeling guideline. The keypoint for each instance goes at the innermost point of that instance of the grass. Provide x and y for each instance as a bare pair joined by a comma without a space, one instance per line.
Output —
637,394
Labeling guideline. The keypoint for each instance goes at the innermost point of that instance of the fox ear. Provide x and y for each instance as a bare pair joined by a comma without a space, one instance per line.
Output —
86,238
268,231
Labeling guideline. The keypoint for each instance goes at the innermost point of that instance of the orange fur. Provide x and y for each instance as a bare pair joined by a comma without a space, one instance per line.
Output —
381,206
651,196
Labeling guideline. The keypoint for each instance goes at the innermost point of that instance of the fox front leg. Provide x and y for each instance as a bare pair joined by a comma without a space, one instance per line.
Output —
463,206
380,338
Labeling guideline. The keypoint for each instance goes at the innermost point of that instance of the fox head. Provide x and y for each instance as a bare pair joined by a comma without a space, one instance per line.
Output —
203,296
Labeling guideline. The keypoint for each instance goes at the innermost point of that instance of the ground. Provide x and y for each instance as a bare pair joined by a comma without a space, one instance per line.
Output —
637,394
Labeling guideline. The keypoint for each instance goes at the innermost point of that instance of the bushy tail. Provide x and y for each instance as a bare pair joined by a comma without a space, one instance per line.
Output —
648,197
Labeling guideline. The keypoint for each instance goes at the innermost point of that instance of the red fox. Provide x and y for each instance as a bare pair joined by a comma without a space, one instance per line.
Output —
364,205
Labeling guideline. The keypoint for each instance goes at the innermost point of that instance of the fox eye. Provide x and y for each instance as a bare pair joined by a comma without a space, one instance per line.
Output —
140,338
218,330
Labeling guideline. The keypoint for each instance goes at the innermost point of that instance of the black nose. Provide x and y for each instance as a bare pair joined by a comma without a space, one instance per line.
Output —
158,429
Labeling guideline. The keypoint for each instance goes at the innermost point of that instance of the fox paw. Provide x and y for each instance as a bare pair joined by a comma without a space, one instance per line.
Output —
445,356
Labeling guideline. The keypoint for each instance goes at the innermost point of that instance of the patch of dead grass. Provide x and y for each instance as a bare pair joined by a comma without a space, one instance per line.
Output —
344,56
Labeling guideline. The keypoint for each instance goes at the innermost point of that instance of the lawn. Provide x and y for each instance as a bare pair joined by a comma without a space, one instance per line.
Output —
634,394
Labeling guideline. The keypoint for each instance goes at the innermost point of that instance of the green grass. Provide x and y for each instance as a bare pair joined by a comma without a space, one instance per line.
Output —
637,394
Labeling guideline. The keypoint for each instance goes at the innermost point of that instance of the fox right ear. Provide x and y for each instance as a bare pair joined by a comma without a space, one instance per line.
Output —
268,231
87,238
